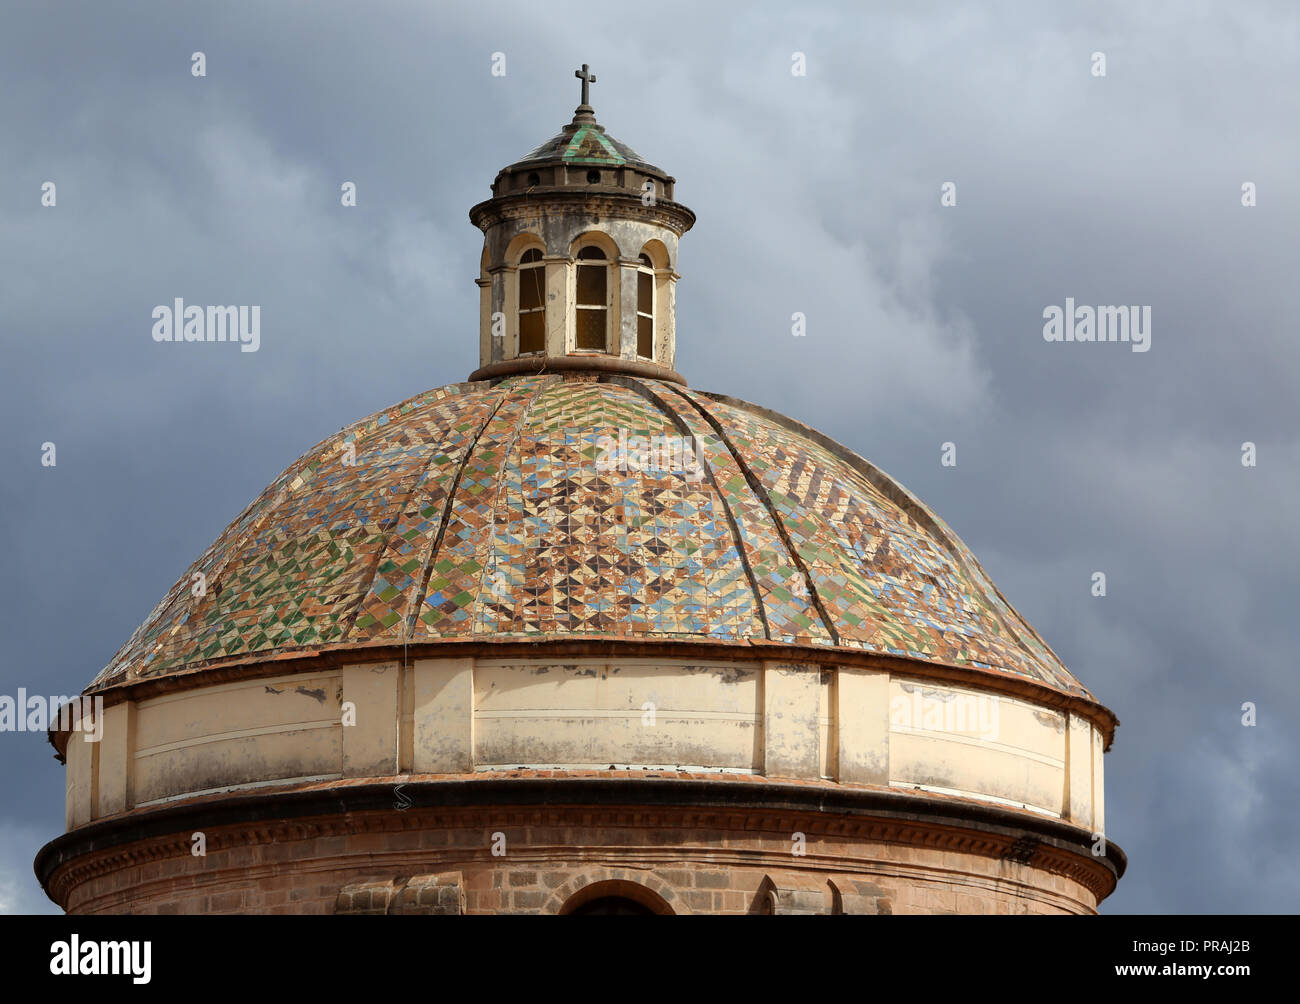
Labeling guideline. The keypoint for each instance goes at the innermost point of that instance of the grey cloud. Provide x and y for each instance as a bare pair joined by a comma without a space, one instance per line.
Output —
817,194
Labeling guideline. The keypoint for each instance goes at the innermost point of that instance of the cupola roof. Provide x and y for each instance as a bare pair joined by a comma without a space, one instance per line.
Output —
582,155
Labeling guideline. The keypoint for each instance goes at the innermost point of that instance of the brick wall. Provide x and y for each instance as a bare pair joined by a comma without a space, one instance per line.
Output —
551,859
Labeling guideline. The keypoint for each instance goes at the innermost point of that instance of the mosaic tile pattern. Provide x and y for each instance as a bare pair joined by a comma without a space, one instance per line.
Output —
456,578
892,577
787,603
477,511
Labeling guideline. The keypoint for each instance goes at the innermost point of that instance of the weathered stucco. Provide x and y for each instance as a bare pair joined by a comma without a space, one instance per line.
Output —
558,231
776,719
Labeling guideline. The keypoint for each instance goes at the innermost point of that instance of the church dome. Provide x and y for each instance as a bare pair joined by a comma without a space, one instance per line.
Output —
678,650
477,513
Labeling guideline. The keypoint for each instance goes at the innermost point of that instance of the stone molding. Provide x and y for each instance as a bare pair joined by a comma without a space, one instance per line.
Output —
525,206
230,822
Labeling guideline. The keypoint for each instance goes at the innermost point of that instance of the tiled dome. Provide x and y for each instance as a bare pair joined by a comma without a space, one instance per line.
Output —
481,512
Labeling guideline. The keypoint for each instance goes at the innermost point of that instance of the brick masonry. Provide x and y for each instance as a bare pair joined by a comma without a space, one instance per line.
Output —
550,860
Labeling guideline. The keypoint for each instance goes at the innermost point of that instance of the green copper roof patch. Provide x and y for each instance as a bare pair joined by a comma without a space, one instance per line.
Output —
589,146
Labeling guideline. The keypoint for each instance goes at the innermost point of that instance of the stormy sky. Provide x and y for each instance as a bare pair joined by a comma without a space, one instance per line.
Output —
817,194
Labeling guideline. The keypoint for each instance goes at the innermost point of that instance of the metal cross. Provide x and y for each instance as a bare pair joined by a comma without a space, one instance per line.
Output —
587,80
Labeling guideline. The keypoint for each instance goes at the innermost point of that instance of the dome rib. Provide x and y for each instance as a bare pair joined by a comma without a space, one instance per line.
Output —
757,488
741,550
453,428
520,421
416,486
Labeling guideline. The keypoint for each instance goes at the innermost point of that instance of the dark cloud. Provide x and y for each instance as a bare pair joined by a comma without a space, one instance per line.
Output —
816,194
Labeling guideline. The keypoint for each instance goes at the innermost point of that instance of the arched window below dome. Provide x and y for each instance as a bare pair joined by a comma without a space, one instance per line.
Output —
617,897
592,288
645,308
532,302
